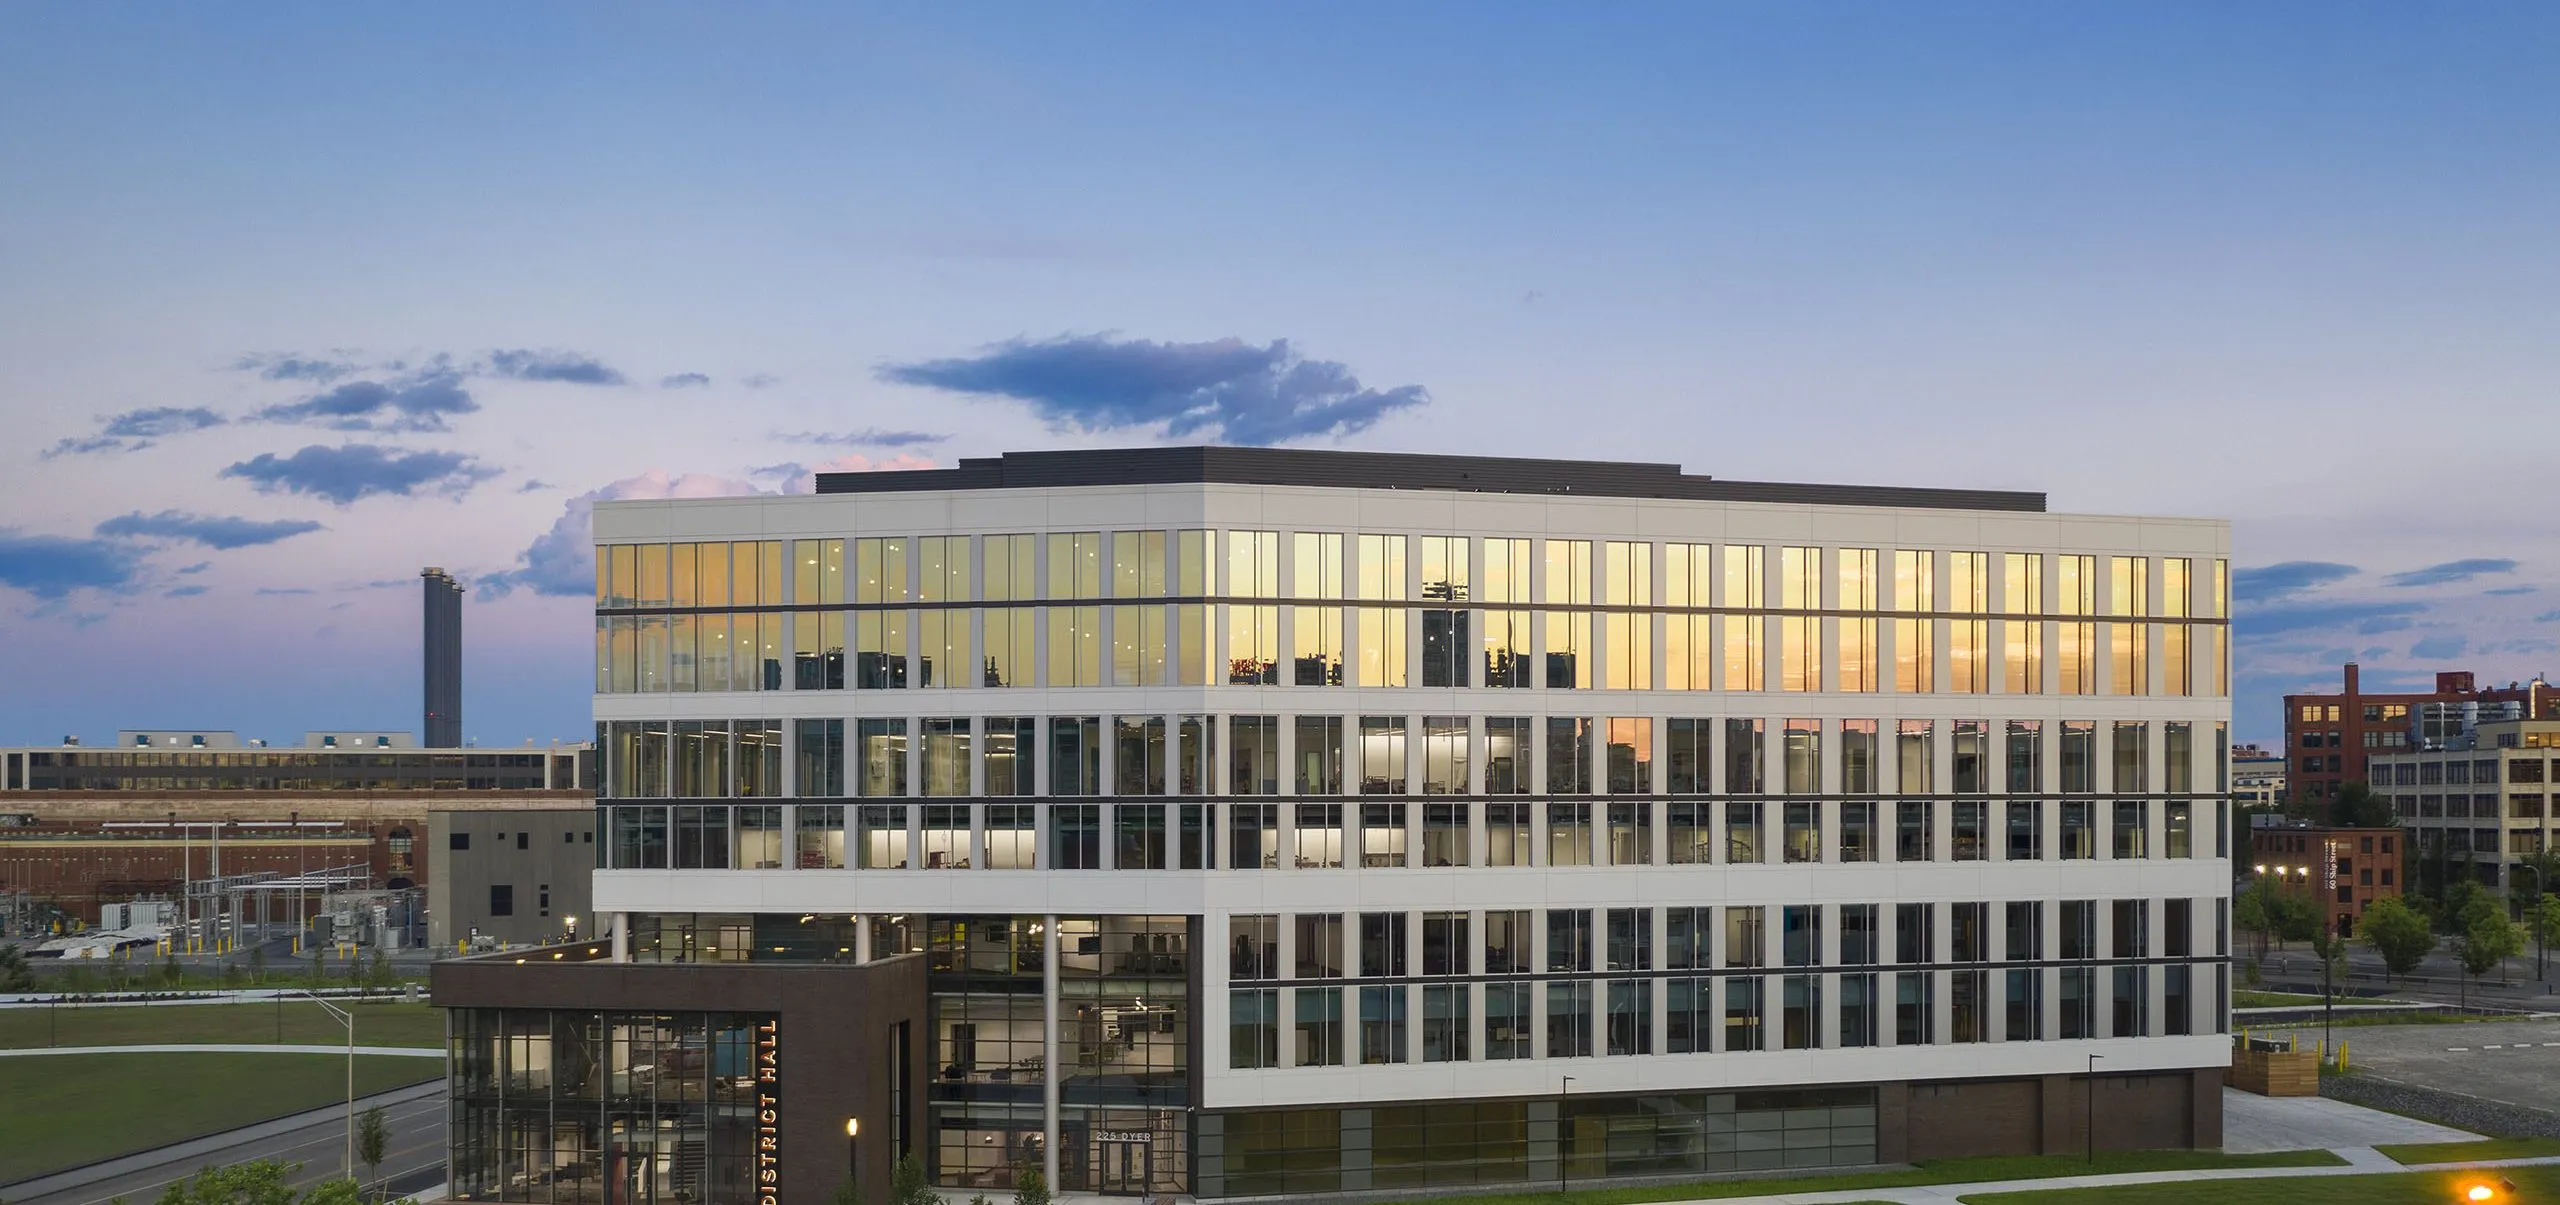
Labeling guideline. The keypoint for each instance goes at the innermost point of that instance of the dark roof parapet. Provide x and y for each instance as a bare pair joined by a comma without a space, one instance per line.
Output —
1398,471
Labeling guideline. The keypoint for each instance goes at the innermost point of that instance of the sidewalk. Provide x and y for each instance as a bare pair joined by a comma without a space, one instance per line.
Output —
2254,1124
420,1052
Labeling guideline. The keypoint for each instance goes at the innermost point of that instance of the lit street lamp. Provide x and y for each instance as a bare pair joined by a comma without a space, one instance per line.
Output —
853,1152
2093,1108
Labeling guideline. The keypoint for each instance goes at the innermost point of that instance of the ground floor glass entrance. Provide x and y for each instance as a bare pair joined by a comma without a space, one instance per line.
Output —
1124,1152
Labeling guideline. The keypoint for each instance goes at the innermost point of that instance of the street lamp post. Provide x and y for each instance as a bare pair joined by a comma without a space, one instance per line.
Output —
2092,1121
347,1019
2329,954
2534,901
1562,1130
853,1153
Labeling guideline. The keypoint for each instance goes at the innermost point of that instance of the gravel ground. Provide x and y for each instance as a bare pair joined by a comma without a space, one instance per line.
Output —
2455,1109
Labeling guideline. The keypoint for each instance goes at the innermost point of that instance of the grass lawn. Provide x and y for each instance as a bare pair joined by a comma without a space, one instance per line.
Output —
2310,1030
1935,1171
2361,1019
2410,1188
61,1111
2246,999
304,1023
2472,1152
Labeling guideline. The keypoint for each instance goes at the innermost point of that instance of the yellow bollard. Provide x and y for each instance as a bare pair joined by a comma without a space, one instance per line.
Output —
2342,1056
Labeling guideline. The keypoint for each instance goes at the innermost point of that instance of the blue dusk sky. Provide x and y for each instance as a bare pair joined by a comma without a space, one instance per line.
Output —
295,299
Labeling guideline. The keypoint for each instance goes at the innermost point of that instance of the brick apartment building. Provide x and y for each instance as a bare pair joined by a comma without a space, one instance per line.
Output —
2327,737
2344,869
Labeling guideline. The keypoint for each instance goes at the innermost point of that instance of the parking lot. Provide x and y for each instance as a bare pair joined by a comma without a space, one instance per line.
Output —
2517,1062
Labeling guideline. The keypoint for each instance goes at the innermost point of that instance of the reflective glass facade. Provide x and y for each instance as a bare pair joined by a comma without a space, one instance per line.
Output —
1443,782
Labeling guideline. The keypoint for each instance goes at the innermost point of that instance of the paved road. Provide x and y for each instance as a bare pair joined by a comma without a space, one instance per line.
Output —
317,1140
2513,1061
2438,978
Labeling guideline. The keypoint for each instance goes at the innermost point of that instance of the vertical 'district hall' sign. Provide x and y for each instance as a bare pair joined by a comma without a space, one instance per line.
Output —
768,1115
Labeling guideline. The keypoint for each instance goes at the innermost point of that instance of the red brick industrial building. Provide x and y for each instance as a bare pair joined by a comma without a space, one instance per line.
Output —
2328,736
2344,869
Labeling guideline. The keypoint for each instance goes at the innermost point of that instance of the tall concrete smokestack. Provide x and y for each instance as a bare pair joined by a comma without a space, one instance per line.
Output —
444,660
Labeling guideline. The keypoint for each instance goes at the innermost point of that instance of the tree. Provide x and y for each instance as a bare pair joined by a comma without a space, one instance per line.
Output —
333,1192
15,974
2250,912
2541,864
2544,920
2488,939
2474,906
2298,916
908,1184
257,1182
2461,896
847,1193
379,973
257,964
2398,933
2356,806
373,1140
1030,1187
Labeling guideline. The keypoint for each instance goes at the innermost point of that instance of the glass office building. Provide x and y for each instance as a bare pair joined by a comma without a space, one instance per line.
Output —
1283,823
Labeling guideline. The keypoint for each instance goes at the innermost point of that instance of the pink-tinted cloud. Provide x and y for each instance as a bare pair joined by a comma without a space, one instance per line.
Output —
797,478
561,561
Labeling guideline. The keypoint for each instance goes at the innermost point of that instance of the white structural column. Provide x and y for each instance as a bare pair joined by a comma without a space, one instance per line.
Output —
1049,1049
